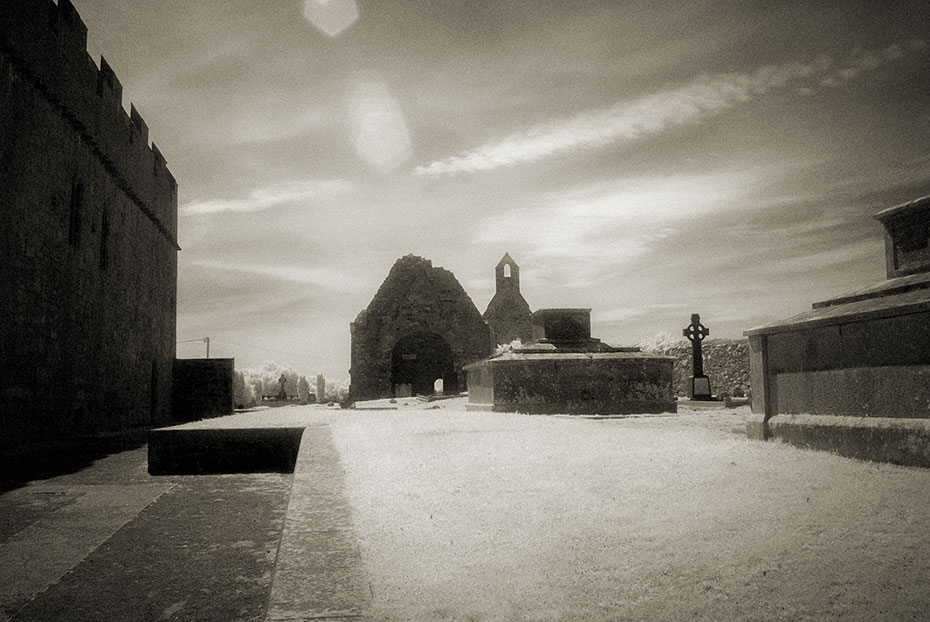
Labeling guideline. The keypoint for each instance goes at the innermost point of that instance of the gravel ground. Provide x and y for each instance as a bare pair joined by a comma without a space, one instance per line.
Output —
490,516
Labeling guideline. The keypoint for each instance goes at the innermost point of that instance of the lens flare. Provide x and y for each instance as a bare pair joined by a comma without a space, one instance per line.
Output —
331,16
379,131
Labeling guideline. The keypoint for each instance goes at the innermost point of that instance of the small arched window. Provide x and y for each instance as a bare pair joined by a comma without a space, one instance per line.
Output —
104,240
506,270
74,221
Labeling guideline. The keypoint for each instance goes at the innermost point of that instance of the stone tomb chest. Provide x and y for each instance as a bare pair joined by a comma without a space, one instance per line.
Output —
565,370
853,373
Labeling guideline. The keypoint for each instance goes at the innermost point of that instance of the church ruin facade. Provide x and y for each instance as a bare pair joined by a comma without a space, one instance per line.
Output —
420,327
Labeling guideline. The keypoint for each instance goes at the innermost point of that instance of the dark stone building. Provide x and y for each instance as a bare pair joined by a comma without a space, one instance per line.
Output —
421,326
852,374
508,313
88,239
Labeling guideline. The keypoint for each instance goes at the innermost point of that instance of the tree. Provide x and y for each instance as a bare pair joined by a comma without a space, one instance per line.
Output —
303,390
243,392
662,342
336,391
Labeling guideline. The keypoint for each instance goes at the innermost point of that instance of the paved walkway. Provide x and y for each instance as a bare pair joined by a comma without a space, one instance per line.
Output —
319,572
110,542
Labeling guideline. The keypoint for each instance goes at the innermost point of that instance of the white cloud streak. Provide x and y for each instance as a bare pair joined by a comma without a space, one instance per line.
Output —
269,197
328,278
627,121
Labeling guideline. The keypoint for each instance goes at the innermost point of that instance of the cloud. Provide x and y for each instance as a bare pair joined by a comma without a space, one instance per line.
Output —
269,197
582,237
627,121
618,217
842,254
325,277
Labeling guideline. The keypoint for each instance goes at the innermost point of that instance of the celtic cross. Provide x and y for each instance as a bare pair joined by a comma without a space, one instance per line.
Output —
696,332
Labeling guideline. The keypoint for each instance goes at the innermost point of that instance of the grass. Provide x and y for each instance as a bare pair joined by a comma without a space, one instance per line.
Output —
491,516
488,516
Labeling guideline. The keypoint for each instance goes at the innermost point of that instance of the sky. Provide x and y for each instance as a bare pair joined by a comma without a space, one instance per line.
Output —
648,160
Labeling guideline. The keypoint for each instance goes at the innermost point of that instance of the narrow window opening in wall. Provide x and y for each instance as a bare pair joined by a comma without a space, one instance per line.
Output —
74,224
153,393
506,270
104,240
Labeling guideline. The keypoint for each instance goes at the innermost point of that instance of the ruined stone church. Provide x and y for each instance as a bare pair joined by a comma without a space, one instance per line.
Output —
422,326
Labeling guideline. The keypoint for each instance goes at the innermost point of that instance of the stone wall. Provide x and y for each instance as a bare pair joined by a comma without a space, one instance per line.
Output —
726,363
508,313
416,303
578,384
870,366
88,250
203,388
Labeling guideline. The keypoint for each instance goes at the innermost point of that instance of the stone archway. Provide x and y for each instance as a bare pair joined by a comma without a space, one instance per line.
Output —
419,359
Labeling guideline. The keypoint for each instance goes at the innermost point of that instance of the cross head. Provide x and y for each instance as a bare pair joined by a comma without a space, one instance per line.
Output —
695,331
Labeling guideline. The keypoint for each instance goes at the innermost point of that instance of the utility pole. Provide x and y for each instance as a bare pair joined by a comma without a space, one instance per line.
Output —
205,340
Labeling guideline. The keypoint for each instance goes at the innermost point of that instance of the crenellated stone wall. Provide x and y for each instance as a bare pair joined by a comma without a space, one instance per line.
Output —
88,239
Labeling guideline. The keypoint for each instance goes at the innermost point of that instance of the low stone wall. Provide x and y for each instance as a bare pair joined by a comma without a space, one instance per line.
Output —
179,451
203,388
726,363
881,439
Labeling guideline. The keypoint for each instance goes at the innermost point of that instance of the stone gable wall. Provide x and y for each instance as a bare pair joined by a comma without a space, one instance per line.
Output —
414,297
508,315
88,337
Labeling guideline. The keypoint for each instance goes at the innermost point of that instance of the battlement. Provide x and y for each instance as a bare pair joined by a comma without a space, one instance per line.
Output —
47,44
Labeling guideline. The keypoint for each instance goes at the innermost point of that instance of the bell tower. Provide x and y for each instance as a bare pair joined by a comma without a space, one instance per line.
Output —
507,274
508,314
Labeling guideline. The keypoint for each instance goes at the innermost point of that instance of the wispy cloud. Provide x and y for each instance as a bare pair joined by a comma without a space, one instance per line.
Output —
269,197
580,221
325,277
843,254
583,236
627,121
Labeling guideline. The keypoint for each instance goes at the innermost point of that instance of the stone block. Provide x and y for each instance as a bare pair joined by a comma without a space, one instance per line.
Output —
203,388
180,451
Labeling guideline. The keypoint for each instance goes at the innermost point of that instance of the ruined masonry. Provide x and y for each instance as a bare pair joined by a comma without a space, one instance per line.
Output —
508,313
420,327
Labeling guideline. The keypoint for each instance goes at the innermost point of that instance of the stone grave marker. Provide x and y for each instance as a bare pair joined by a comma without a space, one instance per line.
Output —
700,384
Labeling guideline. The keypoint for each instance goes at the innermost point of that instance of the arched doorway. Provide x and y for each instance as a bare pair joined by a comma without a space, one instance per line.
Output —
419,359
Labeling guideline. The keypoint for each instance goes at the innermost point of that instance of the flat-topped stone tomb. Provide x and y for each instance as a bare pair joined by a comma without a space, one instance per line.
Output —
565,370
